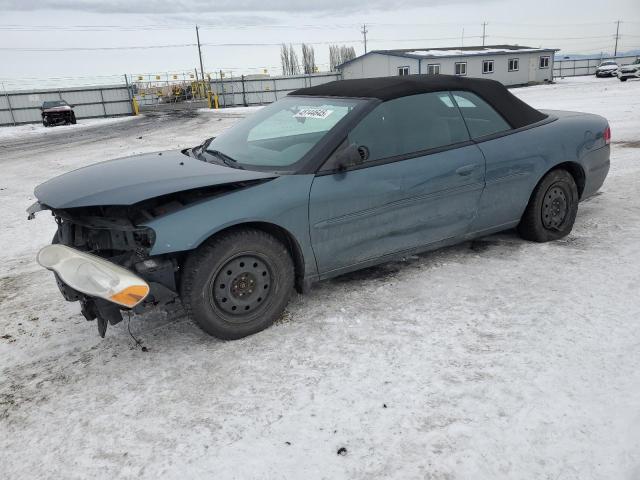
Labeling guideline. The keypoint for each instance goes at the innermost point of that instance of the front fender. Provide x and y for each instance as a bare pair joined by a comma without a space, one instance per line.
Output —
283,202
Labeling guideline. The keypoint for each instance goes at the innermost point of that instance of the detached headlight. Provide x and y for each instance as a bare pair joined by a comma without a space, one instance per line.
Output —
94,276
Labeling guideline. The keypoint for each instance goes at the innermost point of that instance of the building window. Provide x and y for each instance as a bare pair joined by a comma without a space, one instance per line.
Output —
403,71
544,62
487,66
433,69
514,64
461,68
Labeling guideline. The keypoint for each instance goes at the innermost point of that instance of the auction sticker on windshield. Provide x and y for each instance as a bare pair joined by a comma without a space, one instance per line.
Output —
317,112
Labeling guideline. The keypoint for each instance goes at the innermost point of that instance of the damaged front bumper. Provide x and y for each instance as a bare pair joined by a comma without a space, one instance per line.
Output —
94,276
102,287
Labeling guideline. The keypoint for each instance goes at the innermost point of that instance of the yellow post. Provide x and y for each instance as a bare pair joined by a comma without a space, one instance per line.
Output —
209,99
136,107
215,100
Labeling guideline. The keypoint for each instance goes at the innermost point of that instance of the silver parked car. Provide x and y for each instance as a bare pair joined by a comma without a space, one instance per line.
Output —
629,71
607,69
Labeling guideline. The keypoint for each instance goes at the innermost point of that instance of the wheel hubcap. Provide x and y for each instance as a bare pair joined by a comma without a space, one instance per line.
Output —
242,285
555,207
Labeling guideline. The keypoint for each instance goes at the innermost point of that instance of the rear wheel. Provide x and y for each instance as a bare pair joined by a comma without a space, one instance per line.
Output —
72,118
552,208
238,283
623,79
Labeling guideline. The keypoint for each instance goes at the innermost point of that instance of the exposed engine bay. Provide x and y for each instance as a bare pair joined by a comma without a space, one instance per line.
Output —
117,234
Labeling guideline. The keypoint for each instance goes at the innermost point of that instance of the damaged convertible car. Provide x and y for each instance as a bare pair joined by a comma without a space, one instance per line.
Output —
327,180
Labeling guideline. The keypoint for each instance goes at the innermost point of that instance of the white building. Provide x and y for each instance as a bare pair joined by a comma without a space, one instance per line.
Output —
509,64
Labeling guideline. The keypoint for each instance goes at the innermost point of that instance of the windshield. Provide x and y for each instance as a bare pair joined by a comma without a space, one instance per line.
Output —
607,63
282,133
54,103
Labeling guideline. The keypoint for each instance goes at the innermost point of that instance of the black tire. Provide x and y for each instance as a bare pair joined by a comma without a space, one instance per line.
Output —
623,79
73,118
552,208
237,283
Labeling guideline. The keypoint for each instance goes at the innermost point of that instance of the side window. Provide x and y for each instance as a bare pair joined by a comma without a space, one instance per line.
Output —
544,62
461,68
514,64
402,71
406,125
480,117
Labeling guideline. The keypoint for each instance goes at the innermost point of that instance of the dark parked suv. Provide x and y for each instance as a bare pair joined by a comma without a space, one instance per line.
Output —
57,112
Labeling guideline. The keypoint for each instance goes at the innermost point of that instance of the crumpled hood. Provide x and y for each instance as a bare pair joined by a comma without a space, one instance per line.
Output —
130,180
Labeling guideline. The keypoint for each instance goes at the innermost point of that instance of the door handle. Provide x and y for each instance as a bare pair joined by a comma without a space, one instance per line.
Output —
466,170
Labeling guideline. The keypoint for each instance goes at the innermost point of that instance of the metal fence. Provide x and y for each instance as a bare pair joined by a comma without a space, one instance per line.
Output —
585,66
89,102
260,90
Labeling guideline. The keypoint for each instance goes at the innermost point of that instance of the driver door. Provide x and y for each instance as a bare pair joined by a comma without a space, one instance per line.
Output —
419,182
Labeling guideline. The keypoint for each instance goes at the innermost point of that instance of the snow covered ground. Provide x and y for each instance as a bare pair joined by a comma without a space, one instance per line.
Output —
19,131
495,359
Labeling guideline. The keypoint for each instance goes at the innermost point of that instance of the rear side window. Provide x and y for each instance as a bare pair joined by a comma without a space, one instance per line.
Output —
480,117
410,124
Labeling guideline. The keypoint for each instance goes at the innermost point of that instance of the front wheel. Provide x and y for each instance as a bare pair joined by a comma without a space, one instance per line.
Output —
552,208
237,283
623,79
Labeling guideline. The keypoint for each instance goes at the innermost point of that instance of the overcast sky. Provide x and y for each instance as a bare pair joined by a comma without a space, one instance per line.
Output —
28,27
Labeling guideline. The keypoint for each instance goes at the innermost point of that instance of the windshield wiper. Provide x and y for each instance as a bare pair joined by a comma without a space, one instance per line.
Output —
228,161
198,149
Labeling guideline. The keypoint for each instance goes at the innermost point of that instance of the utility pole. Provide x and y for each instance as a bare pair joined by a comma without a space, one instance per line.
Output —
200,55
484,25
615,52
462,39
364,32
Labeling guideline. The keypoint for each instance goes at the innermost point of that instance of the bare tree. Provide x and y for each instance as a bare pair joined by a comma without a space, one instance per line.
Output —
334,57
338,54
347,53
293,60
308,58
284,59
289,60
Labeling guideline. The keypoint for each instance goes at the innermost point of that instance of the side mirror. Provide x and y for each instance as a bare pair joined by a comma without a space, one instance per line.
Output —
351,155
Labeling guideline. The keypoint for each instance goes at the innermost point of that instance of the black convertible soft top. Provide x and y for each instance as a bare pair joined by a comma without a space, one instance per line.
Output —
514,110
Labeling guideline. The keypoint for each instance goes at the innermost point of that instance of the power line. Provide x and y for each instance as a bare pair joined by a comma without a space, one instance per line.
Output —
324,26
78,49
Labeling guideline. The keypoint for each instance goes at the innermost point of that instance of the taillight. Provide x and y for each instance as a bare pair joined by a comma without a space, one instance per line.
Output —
607,135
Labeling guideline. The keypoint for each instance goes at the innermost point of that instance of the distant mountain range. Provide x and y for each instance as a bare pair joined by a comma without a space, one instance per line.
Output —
572,56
